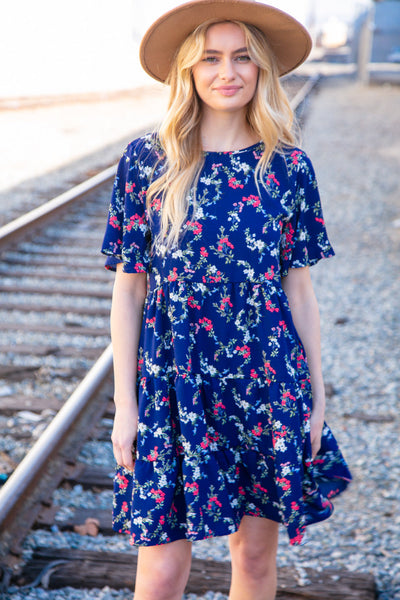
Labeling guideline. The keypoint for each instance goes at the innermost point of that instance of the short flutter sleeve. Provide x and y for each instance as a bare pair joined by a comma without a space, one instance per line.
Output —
304,239
127,237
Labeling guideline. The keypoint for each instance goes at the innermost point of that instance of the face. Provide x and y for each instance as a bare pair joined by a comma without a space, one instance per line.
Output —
225,78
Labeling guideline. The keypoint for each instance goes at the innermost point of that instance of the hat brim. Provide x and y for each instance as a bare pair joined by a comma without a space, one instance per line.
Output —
288,39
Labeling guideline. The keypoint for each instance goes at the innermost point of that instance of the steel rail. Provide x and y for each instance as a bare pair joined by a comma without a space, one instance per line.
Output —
15,229
304,91
17,488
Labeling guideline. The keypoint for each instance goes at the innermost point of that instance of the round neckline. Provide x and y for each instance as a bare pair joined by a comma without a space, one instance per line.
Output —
230,152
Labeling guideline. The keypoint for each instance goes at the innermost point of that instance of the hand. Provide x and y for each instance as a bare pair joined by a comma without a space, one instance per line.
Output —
124,434
316,427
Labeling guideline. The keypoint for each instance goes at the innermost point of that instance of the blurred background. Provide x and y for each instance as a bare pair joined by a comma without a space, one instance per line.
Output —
71,84
87,46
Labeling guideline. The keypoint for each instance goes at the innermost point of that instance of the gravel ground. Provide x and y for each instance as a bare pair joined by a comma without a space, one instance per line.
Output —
352,136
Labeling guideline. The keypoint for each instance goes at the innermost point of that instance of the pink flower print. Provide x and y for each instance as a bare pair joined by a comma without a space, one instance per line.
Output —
125,507
215,279
283,325
257,430
207,323
252,200
319,220
225,301
297,539
268,306
218,406
287,395
295,506
276,435
203,252
239,205
139,268
271,177
161,520
270,273
241,491
209,439
160,295
193,487
233,183
155,204
244,351
151,321
300,359
225,241
295,156
192,303
204,444
174,275
288,234
284,483
159,495
129,187
114,222
135,220
122,481
195,226
258,487
153,454
211,500
253,374
268,370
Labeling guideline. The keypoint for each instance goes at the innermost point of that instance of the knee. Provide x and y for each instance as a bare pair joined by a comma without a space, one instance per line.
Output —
255,561
163,578
162,583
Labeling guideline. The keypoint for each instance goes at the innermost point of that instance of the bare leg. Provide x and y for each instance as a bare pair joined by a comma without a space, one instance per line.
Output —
253,551
163,571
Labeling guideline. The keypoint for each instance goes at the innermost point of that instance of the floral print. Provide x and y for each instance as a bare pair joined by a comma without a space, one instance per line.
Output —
223,387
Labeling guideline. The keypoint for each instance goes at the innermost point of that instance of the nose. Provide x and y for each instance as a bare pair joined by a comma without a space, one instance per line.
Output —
227,70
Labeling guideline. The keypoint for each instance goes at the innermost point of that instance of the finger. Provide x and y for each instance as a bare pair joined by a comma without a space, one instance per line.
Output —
127,459
315,447
117,454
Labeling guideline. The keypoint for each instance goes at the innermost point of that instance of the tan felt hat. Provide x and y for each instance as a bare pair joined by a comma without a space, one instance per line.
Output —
288,39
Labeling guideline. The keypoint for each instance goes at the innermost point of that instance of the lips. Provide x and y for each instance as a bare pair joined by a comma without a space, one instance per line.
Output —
228,90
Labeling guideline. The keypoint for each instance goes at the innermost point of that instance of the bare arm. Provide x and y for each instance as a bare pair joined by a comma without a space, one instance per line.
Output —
126,319
304,307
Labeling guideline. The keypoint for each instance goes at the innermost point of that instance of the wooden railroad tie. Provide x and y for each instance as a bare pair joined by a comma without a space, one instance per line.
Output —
91,569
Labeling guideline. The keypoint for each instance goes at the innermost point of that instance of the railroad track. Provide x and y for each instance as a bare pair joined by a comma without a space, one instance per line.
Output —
56,388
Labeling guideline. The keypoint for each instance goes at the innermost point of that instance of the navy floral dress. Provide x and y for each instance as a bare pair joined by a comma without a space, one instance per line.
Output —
223,387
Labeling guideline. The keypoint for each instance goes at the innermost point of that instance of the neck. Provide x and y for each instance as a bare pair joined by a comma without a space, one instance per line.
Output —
226,132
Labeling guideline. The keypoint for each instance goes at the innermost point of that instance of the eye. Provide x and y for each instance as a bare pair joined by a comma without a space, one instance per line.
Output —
209,59
243,58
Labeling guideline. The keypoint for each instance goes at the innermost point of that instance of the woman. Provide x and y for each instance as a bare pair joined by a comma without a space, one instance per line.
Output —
213,225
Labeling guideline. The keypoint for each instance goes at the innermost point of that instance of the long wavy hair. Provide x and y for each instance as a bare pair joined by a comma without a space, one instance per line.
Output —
269,115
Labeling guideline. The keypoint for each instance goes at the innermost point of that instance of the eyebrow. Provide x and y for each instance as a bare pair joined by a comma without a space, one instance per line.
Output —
238,51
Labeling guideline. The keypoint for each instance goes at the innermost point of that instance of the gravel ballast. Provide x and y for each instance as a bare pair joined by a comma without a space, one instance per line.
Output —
352,135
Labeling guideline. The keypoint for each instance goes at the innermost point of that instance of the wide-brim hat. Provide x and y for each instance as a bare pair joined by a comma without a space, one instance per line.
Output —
288,39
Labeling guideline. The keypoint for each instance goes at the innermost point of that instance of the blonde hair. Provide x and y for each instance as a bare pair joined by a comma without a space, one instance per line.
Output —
268,114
